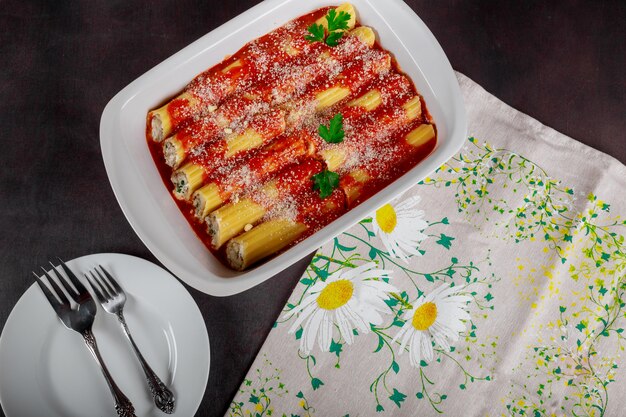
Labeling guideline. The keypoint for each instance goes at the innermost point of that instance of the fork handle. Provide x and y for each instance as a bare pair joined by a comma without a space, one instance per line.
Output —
123,406
163,398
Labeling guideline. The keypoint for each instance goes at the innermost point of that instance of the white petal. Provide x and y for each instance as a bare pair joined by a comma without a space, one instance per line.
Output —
400,333
449,322
355,318
358,271
392,247
374,273
306,313
344,325
427,348
326,332
406,332
307,300
408,206
461,300
415,349
453,318
436,293
369,315
446,291
309,332
379,286
378,304
441,340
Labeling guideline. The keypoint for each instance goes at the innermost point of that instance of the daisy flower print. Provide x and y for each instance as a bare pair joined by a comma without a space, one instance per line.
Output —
350,298
438,318
400,226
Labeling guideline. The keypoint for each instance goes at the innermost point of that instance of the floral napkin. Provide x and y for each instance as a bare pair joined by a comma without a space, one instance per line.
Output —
496,286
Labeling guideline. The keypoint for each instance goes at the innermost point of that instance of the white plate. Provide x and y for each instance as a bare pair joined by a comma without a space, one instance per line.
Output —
46,369
150,208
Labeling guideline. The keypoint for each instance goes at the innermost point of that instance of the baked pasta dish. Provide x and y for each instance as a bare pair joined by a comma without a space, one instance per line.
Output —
293,130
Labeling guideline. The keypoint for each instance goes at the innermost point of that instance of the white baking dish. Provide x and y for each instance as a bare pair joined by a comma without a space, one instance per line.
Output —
146,202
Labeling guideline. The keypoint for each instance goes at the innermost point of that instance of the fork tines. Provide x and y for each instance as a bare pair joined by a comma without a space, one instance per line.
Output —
104,286
60,297
73,290
73,278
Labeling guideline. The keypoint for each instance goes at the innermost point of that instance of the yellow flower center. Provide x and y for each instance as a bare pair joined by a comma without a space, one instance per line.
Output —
386,218
335,294
424,316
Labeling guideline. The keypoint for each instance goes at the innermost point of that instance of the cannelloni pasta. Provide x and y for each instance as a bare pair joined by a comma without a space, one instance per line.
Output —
288,133
275,234
231,219
207,159
250,174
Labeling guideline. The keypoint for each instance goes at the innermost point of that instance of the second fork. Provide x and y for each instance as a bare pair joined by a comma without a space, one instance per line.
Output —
113,298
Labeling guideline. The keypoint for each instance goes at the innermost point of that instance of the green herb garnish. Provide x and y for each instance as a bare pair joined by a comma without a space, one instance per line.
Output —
337,23
326,181
333,38
317,33
334,132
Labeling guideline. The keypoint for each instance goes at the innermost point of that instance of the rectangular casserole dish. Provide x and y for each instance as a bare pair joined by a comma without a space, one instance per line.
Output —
149,207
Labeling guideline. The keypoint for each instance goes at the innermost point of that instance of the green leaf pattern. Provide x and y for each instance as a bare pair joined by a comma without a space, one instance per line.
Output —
573,361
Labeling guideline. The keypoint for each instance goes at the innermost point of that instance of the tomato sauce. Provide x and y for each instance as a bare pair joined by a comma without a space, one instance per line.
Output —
278,77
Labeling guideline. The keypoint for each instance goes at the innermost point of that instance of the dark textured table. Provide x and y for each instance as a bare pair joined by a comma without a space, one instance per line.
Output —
561,62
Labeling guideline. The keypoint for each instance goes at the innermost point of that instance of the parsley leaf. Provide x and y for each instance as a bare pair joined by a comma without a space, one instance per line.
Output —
317,33
333,38
337,21
326,181
334,132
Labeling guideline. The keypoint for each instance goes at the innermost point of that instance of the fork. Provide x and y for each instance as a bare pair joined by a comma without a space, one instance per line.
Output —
113,298
80,318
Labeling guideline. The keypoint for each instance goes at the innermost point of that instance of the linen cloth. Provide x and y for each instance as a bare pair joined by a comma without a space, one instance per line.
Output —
513,304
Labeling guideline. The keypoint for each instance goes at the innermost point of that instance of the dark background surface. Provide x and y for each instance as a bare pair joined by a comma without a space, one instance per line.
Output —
562,62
